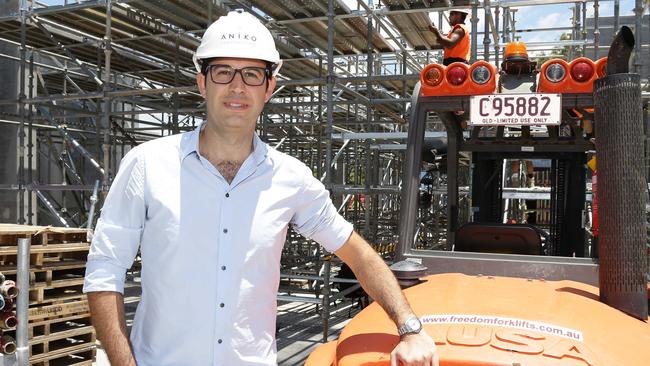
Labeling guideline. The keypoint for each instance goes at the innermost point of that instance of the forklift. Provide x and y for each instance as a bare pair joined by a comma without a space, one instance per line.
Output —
497,290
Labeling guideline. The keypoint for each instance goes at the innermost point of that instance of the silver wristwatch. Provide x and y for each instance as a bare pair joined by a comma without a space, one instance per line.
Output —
411,326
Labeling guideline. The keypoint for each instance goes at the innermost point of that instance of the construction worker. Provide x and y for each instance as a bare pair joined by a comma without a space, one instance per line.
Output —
457,42
209,210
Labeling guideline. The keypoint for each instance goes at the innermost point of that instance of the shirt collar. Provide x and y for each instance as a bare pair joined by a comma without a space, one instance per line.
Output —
260,150
190,144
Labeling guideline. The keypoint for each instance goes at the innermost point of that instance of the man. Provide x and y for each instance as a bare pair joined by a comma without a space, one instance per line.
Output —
210,210
457,42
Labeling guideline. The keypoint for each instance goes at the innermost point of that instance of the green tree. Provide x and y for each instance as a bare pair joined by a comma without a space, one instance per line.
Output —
556,52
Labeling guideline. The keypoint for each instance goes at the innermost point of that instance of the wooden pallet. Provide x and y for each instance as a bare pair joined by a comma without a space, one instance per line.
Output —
46,272
67,340
42,293
57,311
52,326
57,261
83,356
60,331
41,235
66,336
53,322
50,247
17,229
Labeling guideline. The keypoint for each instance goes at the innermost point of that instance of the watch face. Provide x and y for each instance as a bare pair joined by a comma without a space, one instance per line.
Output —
414,325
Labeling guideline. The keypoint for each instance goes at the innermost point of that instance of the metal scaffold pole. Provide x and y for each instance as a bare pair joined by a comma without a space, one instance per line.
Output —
596,29
328,155
369,114
30,144
638,30
617,9
486,31
505,38
497,47
21,111
22,303
107,99
583,25
474,35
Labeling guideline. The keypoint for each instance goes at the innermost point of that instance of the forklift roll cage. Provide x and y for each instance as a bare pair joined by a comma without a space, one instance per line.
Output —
565,259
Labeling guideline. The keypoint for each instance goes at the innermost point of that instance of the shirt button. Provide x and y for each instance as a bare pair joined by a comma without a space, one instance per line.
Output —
223,268
219,341
227,195
225,231
222,305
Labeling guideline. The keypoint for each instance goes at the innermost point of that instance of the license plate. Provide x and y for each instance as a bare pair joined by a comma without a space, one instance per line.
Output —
515,109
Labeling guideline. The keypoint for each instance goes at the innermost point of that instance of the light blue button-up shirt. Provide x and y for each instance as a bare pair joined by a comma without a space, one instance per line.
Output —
210,250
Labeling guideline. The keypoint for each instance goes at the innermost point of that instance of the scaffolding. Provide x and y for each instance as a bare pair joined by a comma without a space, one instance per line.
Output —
95,78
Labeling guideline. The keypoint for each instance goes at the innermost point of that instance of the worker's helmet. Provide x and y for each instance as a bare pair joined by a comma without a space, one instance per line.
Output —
516,51
459,10
240,35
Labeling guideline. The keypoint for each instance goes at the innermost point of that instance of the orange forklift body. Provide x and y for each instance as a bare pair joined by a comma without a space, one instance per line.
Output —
486,320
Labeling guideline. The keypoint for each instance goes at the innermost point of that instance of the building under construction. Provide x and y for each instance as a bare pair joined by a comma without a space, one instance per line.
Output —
86,81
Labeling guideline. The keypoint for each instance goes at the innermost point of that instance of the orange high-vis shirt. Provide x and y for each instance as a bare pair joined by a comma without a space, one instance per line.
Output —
462,48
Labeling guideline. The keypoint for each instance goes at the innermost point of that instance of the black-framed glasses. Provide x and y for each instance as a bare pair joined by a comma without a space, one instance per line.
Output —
224,74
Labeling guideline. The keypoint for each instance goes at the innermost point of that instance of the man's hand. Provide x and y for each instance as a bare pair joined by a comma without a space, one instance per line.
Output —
435,31
415,350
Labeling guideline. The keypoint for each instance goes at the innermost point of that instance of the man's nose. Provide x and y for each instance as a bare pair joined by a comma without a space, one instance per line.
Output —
237,82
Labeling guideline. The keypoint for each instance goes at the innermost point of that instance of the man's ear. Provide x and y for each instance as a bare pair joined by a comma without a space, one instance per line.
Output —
269,90
200,82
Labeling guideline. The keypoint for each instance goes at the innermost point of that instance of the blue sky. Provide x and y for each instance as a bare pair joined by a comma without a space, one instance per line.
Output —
560,15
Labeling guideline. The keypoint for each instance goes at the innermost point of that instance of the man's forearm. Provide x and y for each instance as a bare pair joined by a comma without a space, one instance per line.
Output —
376,278
107,311
380,283
448,42
445,42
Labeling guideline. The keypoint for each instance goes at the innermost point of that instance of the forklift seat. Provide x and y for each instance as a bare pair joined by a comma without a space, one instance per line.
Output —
498,238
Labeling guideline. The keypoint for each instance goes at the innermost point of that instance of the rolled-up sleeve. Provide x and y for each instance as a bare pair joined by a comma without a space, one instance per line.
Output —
316,217
119,228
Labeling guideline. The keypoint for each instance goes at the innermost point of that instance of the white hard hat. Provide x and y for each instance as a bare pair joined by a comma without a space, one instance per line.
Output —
459,10
433,15
240,35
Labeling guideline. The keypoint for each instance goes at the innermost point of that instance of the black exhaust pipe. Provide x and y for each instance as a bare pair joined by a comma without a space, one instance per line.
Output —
621,182
618,57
